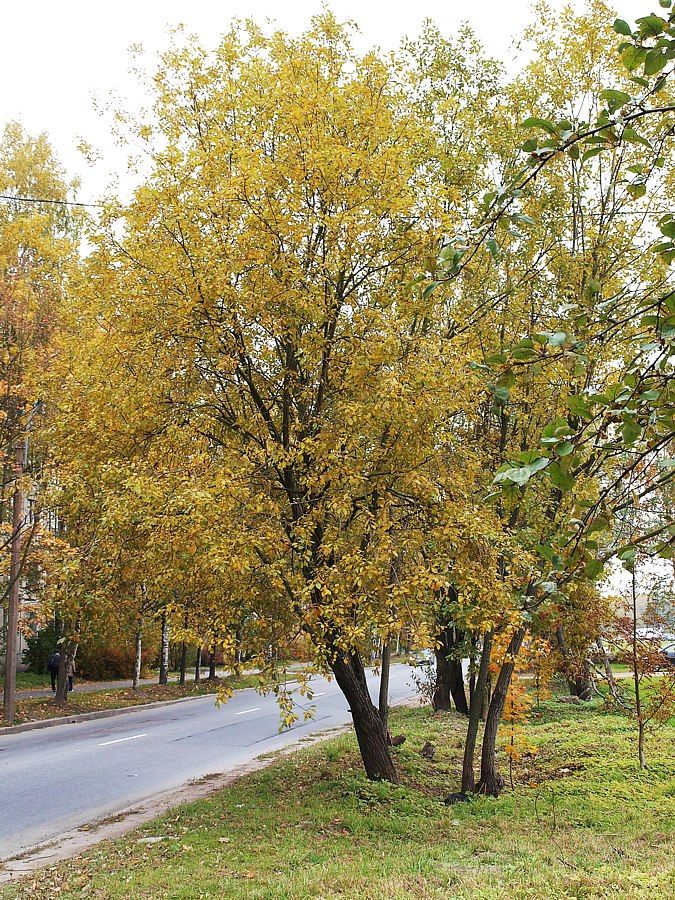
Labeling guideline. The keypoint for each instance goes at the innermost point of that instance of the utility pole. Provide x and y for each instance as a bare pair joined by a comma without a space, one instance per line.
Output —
11,649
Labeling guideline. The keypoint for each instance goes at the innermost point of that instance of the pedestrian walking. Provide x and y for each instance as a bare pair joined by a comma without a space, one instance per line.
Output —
53,668
71,672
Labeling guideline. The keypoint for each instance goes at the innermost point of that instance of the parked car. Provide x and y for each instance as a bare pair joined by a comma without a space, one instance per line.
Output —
668,654
422,658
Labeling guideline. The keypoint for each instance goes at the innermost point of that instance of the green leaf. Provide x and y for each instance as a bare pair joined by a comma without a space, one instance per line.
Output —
600,523
557,339
507,379
493,247
589,154
496,359
560,478
538,464
667,225
564,449
579,406
429,289
637,190
520,475
630,134
593,569
630,431
622,27
523,353
655,60
651,25
620,97
545,124
666,463
633,56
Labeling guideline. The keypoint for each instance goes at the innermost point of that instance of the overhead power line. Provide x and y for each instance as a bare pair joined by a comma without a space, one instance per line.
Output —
10,198
13,199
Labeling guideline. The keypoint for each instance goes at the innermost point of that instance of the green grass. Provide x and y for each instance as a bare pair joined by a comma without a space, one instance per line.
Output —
27,680
582,822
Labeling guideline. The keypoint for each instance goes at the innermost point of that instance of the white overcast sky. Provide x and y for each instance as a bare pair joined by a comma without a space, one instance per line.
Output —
58,55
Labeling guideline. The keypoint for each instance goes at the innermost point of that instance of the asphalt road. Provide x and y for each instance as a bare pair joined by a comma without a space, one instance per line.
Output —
59,778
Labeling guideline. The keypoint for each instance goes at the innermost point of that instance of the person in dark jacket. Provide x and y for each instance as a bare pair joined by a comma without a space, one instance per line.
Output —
53,667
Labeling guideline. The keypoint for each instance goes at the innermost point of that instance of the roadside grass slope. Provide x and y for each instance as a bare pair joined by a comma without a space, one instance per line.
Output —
581,822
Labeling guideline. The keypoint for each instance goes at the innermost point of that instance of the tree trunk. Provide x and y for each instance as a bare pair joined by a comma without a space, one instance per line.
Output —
580,683
212,664
164,652
477,700
61,695
441,698
641,744
637,680
609,675
198,663
487,695
491,782
13,593
383,702
370,730
138,658
449,676
183,663
68,652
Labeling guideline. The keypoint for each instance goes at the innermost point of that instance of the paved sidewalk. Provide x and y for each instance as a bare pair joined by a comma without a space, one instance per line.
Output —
88,686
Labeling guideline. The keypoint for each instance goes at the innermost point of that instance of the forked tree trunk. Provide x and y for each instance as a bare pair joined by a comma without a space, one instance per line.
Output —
164,652
491,782
383,700
449,676
138,657
370,730
477,701
580,683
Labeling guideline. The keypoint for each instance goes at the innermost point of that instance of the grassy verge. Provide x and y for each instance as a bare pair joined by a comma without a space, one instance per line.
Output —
36,708
27,680
582,822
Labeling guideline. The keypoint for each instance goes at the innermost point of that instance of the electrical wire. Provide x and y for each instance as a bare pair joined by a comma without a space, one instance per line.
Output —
13,199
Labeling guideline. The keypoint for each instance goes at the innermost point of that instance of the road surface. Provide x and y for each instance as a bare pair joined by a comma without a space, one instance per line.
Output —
59,778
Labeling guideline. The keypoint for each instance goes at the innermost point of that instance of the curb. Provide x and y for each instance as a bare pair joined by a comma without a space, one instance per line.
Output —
87,717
